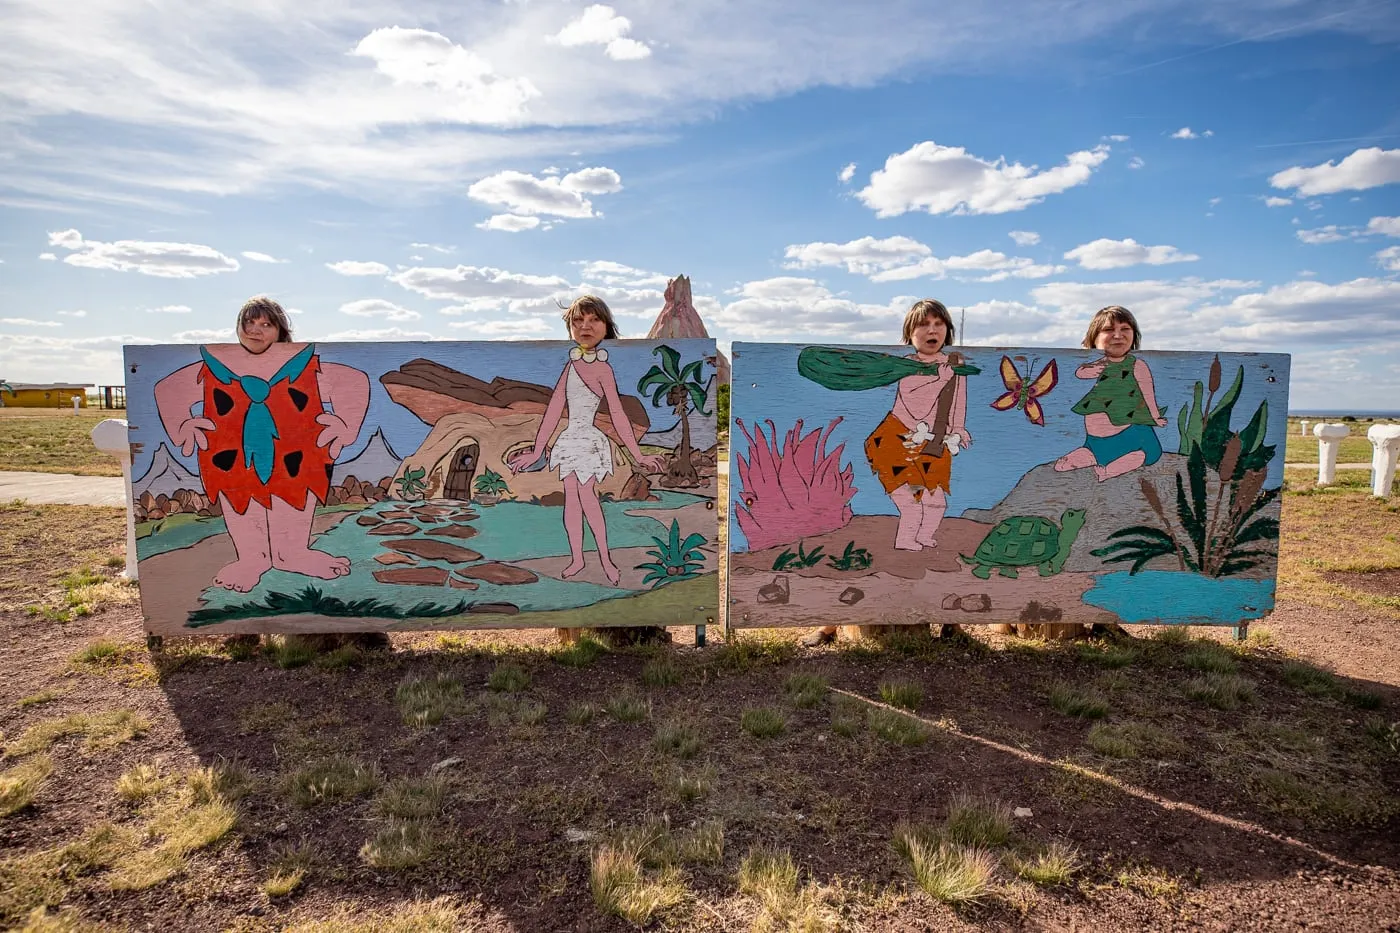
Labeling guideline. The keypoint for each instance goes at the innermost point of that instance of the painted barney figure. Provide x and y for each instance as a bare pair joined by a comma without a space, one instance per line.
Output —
274,419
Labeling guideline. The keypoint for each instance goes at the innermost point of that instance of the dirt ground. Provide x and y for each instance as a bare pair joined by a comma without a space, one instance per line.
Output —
1280,812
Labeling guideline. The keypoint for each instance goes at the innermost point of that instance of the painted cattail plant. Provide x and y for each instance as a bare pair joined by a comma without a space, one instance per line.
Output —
792,492
1217,529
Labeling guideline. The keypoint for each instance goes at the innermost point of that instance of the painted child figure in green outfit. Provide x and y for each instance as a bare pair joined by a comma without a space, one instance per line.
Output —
1120,410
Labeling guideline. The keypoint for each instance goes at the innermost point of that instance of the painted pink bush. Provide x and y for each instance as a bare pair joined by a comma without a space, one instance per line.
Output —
790,493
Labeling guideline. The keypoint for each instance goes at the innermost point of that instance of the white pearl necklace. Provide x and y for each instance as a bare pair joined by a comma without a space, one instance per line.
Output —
588,356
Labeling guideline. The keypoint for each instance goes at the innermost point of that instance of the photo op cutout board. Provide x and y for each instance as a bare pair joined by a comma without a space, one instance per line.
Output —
1009,485
348,487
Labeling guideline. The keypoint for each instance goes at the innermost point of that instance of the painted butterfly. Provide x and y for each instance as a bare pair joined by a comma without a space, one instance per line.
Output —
1023,392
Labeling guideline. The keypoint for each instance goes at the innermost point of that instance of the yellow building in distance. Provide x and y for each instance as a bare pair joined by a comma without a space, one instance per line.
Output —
44,394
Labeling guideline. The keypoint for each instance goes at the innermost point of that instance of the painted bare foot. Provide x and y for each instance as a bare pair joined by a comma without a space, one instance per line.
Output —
1100,473
927,542
573,570
907,544
611,572
313,563
241,575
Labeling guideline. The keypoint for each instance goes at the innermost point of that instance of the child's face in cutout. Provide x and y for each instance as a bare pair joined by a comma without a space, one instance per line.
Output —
588,330
257,335
1115,340
929,335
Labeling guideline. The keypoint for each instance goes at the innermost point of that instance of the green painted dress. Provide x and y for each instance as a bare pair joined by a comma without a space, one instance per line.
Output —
1116,394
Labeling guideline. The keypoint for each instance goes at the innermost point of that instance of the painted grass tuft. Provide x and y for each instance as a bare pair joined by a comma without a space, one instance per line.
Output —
763,722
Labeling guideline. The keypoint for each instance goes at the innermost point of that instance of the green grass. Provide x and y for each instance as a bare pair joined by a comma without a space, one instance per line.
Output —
1107,655
805,690
1211,657
688,786
1354,448
508,678
950,873
896,727
47,440
401,845
1312,680
977,821
581,653
763,722
678,737
425,701
47,695
1222,691
581,714
1077,701
1055,864
410,798
903,694
660,671
628,707
338,777
1133,740
289,652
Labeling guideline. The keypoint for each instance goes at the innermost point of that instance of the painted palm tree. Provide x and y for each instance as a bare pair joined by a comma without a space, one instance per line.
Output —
681,388
5,387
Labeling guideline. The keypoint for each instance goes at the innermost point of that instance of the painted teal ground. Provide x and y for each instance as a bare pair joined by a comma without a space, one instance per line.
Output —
509,531
1167,598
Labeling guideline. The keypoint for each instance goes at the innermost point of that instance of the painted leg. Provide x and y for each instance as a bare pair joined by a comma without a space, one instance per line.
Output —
573,526
1011,572
1076,459
1124,464
933,507
593,511
249,535
289,530
911,516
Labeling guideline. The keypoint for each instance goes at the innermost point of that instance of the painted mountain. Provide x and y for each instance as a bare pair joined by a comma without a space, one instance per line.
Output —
165,476
375,462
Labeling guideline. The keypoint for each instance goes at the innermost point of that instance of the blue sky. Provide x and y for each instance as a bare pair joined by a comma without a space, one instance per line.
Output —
1231,172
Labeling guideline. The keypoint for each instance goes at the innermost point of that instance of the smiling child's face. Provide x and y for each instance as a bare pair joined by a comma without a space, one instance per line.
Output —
929,335
587,330
257,335
1115,340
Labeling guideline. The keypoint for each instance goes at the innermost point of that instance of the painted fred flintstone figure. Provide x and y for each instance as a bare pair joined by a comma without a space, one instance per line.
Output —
273,420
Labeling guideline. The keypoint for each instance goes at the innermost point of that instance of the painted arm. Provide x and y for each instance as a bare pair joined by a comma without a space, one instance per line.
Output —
1091,370
176,396
1149,392
957,423
623,425
548,422
347,389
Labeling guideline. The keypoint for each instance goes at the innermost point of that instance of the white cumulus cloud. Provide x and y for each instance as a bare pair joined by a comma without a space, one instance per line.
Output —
1272,201
1388,226
1363,169
848,171
948,179
524,195
29,322
261,257
600,24
1328,234
1136,162
1104,253
510,223
163,260
471,89
1388,258
354,267
1187,133
859,257
466,283
1024,237
170,309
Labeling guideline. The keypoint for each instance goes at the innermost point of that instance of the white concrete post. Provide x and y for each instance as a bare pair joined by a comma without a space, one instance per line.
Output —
76,400
110,437
1329,438
1385,438
1304,424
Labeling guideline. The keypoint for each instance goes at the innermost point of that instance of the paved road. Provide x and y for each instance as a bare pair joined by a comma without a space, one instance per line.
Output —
67,489
62,488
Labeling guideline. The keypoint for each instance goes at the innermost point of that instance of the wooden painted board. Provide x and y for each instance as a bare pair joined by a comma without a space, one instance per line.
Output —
386,486
841,516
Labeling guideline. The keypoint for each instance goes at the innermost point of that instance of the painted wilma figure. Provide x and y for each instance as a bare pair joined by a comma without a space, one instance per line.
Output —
911,450
272,420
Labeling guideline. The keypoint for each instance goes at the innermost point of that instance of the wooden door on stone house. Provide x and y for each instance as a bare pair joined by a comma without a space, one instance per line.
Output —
462,471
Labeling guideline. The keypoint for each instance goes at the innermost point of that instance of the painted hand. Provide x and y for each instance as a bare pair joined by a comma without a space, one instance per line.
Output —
652,463
190,435
521,459
1161,421
335,433
965,435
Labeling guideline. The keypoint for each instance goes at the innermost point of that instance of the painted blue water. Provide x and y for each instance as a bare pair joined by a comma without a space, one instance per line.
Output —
1168,598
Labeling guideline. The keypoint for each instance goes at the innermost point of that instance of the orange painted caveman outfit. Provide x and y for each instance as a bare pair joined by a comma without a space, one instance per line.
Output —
264,439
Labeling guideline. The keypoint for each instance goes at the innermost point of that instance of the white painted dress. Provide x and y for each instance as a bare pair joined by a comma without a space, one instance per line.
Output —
581,449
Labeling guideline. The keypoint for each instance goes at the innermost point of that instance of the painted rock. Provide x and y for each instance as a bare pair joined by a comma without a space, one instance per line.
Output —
395,528
454,531
412,576
436,550
501,574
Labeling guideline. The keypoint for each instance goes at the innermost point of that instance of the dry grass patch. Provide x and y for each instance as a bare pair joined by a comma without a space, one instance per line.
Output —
1149,880
771,878
401,845
99,731
896,727
948,872
1132,740
125,662
440,915
337,777
978,821
194,818
805,690
38,543
620,887
628,707
508,678
1079,702
678,737
763,722
581,653
412,798
1222,691
290,865
1340,528
47,695
904,694
660,671
1055,864
687,786
140,783
67,920
53,440
425,701
19,784
48,878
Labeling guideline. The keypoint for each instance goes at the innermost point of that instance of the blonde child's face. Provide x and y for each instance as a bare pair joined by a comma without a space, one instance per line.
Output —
257,335
1115,340
929,335
588,330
